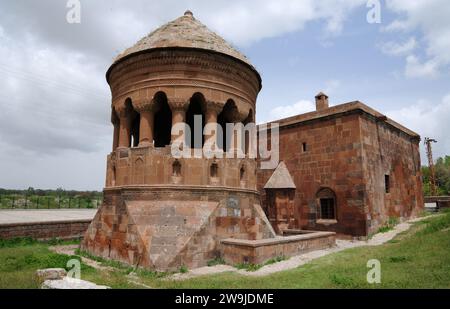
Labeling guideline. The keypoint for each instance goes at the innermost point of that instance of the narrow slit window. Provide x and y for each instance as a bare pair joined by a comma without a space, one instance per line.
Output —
176,169
387,183
242,173
304,147
214,170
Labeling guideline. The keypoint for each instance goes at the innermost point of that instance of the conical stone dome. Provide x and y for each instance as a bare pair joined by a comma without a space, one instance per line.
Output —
184,32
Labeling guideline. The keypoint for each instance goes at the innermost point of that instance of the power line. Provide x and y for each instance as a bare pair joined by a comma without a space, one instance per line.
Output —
45,81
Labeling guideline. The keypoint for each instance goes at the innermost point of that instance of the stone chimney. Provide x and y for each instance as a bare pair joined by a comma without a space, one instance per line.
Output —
321,101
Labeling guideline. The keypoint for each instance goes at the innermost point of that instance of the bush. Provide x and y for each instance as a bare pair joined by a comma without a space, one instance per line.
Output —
183,269
276,260
389,225
248,266
216,261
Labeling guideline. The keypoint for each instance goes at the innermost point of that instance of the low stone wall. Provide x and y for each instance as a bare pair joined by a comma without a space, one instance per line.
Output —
441,201
45,230
235,251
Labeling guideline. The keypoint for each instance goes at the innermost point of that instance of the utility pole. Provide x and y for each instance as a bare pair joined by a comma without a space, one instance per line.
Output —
427,143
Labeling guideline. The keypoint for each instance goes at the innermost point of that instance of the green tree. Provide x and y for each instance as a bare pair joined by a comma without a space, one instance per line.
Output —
442,174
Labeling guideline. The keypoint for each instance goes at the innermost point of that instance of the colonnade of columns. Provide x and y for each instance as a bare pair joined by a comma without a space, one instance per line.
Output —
123,118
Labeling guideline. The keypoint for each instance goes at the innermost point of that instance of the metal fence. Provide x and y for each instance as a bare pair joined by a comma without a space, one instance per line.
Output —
17,201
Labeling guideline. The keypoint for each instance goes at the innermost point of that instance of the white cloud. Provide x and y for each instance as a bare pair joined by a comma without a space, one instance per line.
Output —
300,107
51,100
430,18
54,125
265,18
428,120
398,49
415,68
396,25
54,98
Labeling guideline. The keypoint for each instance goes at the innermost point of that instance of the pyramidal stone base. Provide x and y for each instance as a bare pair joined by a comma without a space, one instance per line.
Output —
163,228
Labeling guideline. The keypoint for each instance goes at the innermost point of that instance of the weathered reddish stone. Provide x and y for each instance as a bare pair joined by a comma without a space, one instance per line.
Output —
350,149
161,212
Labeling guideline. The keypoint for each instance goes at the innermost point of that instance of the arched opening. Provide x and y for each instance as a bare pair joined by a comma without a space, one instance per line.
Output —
134,119
250,119
115,120
242,173
196,108
326,199
135,131
163,121
176,169
228,115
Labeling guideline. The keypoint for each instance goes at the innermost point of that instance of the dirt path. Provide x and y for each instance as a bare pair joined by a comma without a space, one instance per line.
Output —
291,263
302,259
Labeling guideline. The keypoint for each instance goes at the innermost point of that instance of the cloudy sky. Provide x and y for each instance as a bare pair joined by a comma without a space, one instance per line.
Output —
54,116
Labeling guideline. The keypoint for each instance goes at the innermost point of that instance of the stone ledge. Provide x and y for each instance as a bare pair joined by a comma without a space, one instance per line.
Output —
326,221
179,187
235,251
53,222
276,240
68,229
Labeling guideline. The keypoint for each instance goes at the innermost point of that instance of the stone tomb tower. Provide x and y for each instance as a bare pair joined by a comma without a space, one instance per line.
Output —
160,212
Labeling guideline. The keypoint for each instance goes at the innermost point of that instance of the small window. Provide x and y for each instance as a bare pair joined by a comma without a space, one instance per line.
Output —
214,170
327,208
242,173
176,169
387,183
304,147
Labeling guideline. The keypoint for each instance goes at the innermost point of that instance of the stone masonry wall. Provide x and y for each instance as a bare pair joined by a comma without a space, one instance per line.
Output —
260,251
164,228
387,151
333,159
45,230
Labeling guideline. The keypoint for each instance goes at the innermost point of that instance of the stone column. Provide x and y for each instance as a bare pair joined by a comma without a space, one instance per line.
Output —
116,124
124,133
213,109
178,107
237,116
146,111
116,135
124,128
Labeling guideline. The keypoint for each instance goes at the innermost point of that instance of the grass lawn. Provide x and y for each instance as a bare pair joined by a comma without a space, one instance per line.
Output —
418,258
